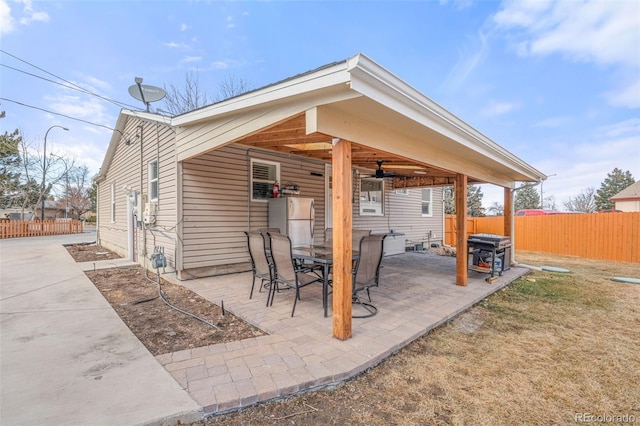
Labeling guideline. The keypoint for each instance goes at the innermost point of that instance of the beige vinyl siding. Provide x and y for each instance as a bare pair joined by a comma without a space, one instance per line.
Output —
157,142
403,214
216,208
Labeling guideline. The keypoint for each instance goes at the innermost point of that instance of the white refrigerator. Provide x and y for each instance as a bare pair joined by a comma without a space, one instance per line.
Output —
295,217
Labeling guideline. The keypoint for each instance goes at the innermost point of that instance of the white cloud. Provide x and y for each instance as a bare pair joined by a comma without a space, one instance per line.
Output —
553,122
572,168
467,62
32,15
172,45
592,31
494,109
185,27
6,20
627,96
93,82
78,106
192,59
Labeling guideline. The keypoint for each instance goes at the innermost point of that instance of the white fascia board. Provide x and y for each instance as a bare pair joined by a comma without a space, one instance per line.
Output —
375,82
116,136
148,116
323,78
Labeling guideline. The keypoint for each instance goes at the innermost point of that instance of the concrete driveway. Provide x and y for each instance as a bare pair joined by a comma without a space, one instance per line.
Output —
66,358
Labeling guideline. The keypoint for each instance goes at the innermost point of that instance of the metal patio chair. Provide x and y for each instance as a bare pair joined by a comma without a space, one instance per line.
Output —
261,264
366,272
287,273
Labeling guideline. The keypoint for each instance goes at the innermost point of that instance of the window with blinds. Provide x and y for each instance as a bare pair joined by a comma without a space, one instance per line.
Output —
263,175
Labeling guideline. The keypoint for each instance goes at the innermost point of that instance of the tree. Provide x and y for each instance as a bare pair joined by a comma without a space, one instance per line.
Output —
615,182
9,165
549,202
474,201
526,198
583,202
92,193
77,194
449,200
191,96
496,209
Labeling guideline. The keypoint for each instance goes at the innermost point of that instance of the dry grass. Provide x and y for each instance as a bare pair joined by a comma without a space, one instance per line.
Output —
538,352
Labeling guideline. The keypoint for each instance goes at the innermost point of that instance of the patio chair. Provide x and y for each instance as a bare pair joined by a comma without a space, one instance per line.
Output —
261,264
328,236
356,236
286,271
366,272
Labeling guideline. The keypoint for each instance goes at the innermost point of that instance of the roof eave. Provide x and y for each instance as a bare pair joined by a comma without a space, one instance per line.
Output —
375,82
324,77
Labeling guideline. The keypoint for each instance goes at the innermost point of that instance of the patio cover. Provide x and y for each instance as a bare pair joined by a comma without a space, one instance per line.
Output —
354,113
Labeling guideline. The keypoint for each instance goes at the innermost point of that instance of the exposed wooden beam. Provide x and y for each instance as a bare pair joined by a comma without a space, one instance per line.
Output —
342,245
462,262
422,181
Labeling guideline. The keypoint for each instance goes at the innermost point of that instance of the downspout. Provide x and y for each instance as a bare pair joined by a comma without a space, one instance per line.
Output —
444,223
98,213
513,225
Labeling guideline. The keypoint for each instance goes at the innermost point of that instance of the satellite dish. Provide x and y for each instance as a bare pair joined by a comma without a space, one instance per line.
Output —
146,93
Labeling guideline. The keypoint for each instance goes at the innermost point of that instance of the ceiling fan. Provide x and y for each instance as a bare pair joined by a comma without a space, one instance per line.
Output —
380,173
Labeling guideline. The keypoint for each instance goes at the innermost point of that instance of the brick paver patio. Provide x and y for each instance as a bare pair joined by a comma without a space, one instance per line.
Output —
417,293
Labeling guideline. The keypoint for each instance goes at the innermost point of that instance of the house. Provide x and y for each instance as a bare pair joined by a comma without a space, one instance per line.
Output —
53,209
203,177
628,200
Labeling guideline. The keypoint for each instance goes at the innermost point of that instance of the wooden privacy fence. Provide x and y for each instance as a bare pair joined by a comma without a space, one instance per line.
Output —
605,236
32,228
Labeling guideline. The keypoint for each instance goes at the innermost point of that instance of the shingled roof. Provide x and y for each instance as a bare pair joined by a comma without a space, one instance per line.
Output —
631,192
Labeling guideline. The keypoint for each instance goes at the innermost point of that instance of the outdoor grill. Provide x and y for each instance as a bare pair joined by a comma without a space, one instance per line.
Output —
490,253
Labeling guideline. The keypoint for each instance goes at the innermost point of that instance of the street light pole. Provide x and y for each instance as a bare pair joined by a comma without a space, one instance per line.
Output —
44,167
541,194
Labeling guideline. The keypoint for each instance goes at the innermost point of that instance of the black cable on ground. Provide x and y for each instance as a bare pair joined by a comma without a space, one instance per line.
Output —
175,307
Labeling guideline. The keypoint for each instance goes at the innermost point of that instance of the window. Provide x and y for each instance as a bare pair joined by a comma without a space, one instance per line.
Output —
153,180
113,202
263,175
371,197
426,202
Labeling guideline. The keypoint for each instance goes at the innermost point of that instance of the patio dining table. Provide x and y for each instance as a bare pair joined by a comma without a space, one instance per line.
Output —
322,255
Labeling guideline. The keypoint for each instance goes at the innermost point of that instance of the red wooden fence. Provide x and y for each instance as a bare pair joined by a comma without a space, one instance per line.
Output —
32,228
606,236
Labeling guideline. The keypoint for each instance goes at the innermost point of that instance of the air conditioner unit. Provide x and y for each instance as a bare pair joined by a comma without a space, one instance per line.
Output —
149,213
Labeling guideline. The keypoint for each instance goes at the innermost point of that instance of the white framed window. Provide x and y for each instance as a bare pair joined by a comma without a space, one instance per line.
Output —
263,175
112,204
152,176
427,202
402,191
371,197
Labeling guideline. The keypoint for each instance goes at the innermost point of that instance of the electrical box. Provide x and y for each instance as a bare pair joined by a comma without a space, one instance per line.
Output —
149,216
135,202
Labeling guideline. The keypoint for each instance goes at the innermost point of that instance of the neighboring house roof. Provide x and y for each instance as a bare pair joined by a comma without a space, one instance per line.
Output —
357,100
631,192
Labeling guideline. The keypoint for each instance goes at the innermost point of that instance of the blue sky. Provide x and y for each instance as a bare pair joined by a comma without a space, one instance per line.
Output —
556,83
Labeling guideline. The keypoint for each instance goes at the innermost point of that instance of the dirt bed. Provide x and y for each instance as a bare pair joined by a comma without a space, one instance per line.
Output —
160,328
90,253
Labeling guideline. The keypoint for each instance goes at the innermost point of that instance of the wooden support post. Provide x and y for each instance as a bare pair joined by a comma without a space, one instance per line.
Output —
342,250
508,220
461,224
508,211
